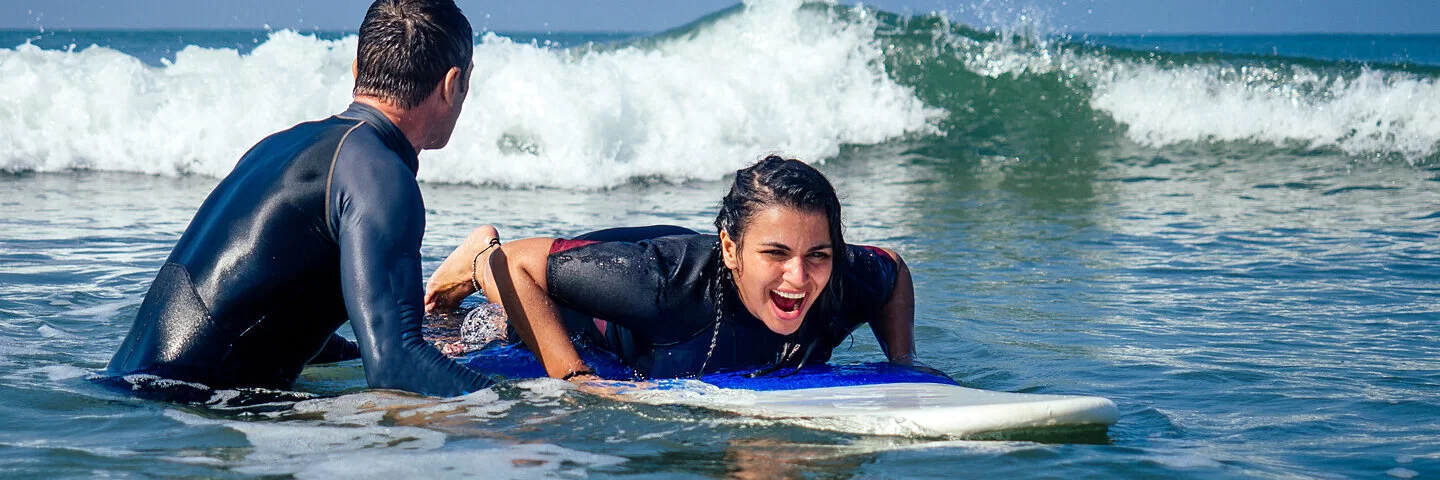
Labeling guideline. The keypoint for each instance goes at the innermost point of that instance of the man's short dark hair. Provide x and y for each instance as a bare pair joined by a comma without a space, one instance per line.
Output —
407,46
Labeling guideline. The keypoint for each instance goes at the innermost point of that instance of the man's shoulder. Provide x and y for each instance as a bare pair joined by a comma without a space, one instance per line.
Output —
318,127
365,169
363,148
322,133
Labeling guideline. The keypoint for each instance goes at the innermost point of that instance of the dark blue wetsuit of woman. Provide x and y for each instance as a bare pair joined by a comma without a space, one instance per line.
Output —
652,288
316,225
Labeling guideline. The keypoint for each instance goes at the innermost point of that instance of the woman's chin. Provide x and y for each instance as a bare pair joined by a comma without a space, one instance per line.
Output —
783,322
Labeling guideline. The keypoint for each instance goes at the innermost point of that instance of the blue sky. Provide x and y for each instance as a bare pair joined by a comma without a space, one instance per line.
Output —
1088,16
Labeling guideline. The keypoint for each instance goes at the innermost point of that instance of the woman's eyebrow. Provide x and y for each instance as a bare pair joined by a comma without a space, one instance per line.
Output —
782,246
775,245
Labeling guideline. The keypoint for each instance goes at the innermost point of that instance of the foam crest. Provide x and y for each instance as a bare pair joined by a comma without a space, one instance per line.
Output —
1375,112
101,109
1372,112
773,76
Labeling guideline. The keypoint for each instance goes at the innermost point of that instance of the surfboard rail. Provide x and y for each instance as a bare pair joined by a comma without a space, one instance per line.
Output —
908,409
868,398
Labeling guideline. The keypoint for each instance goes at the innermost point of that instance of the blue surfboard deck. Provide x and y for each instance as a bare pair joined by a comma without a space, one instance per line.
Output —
513,361
868,398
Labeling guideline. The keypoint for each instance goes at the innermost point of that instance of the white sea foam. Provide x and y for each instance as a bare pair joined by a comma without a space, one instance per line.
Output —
369,408
773,77
1374,112
53,373
101,109
776,77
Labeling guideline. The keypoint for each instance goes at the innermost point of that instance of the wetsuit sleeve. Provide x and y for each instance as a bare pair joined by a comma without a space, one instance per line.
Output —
623,283
336,349
869,281
379,220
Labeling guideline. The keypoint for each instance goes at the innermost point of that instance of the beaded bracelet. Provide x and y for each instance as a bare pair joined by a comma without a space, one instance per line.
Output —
475,263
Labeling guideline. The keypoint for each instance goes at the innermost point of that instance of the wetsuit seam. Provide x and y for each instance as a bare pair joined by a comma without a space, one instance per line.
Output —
330,178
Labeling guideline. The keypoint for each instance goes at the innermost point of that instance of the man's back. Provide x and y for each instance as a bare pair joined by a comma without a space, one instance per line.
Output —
317,224
249,295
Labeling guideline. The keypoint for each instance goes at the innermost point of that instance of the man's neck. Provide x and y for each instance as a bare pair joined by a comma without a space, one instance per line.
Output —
406,120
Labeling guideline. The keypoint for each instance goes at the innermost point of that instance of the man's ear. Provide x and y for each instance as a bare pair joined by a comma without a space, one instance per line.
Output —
729,251
355,68
453,85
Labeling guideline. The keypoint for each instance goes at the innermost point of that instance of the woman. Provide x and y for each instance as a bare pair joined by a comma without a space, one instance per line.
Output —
777,288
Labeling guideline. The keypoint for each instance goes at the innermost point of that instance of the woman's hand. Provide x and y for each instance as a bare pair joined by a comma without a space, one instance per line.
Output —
458,274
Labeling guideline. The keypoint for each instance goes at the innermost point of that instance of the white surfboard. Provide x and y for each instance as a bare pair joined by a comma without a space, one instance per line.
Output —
870,399
908,409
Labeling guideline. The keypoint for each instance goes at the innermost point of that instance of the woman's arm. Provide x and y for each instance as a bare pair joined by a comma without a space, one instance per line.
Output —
895,328
518,278
613,277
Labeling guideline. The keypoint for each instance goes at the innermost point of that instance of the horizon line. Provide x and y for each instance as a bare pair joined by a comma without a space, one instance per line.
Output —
47,30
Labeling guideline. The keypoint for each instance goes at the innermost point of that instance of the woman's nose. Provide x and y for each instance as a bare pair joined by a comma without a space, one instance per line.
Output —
796,272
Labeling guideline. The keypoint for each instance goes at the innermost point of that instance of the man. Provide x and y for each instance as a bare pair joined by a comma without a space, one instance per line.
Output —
319,224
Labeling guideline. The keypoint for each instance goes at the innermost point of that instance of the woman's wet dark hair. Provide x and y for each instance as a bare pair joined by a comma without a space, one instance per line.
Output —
782,182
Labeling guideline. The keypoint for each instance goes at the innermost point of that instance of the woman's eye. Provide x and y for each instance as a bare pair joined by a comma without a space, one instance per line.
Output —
820,256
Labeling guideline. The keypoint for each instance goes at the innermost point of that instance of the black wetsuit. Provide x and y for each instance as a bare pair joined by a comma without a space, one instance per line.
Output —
316,225
651,287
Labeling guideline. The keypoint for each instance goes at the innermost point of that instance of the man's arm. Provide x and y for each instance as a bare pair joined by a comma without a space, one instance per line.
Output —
379,218
337,349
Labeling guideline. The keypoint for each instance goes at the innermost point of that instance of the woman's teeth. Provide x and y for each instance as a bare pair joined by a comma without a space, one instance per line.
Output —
788,302
792,296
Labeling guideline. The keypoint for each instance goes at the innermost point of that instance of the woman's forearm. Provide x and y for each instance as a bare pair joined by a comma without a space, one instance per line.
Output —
518,279
895,329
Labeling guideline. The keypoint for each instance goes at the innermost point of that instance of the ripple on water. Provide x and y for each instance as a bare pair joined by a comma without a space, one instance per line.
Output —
371,434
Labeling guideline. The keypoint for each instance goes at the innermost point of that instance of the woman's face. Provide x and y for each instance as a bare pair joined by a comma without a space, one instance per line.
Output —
781,265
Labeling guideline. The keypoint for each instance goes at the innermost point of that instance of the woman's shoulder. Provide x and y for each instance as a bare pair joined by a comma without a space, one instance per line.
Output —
686,257
870,275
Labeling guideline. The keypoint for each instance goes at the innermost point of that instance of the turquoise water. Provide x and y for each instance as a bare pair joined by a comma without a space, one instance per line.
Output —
1240,249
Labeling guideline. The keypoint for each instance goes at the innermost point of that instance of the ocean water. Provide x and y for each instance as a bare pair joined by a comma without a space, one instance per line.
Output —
1234,238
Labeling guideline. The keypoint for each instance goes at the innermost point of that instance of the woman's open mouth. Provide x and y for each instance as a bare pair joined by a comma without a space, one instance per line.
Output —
789,304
